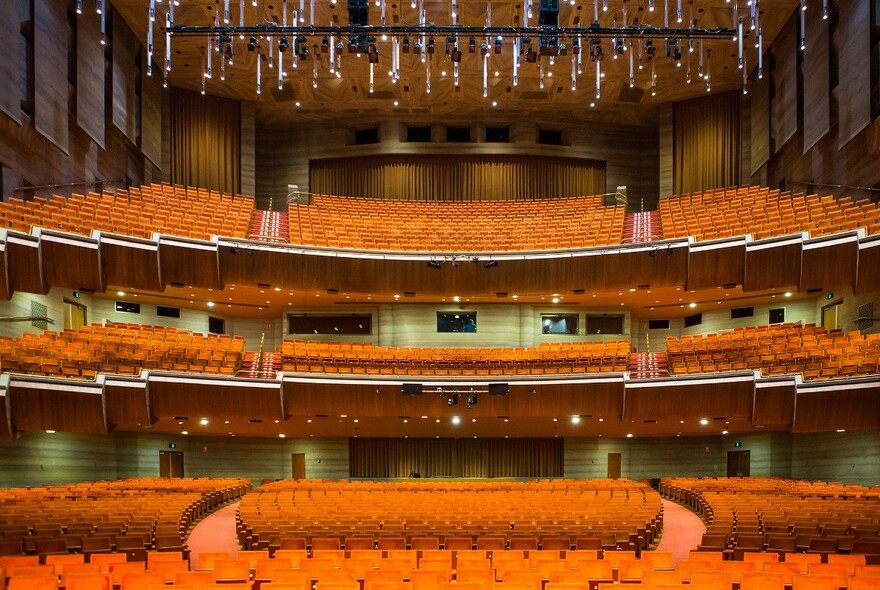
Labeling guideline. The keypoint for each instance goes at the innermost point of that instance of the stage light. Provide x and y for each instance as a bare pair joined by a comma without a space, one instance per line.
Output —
252,44
453,401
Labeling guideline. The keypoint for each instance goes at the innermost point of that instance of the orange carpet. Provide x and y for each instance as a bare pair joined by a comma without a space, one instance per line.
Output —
682,531
215,532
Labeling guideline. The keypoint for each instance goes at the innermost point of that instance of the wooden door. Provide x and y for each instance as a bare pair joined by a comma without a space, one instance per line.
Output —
738,463
613,465
170,464
298,461
831,316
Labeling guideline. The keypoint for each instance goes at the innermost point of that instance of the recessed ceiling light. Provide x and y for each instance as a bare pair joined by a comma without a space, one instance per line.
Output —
456,419
50,432
841,430
282,435
184,432
121,293
456,298
788,293
277,421
601,419
210,304
575,419
723,432
203,421
692,305
703,421
555,300
629,435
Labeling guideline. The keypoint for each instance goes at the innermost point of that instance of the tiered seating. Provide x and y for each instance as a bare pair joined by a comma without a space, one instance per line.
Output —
172,210
784,517
548,358
614,514
777,349
120,348
763,213
460,226
77,523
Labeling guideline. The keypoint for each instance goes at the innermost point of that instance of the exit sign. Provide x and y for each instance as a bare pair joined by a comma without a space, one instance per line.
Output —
830,296
737,444
172,445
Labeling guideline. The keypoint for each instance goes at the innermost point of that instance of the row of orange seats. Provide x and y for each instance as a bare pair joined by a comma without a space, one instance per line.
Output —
763,213
120,348
140,212
456,226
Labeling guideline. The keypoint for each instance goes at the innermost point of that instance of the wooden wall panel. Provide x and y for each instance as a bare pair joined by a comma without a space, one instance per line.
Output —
854,78
38,458
151,113
71,261
90,67
126,106
829,263
24,264
849,406
189,263
774,404
10,59
784,102
816,68
223,399
715,264
57,406
730,397
50,61
5,417
772,264
760,116
5,290
248,156
666,149
848,457
130,262
868,276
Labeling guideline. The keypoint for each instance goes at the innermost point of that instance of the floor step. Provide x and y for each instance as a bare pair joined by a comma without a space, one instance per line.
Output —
642,227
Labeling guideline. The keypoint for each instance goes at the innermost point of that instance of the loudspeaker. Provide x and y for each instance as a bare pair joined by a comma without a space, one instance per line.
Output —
412,389
498,389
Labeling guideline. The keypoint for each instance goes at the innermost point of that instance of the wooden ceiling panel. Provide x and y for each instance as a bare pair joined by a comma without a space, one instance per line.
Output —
774,402
712,264
189,262
852,404
868,276
773,264
127,404
24,264
130,262
193,396
39,404
71,261
829,262
715,396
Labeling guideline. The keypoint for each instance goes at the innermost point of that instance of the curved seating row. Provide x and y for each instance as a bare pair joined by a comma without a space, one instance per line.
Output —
100,517
778,349
783,516
121,348
140,212
464,515
555,358
460,226
763,213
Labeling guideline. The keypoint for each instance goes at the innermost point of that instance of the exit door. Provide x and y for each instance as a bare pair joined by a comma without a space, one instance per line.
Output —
613,465
298,461
738,463
170,464
831,316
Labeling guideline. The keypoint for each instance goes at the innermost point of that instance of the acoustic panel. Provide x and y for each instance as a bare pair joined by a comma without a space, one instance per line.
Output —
784,102
90,76
50,60
815,68
10,59
854,78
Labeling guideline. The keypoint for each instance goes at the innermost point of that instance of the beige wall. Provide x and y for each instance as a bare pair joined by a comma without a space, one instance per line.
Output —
849,457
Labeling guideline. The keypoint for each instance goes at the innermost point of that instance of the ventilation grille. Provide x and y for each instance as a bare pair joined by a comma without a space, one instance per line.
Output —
866,312
38,310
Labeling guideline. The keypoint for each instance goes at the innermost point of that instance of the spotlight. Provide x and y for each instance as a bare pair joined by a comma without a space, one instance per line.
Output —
373,55
618,46
252,44
596,53
325,45
472,45
649,48
283,44
531,56
431,45
472,399
498,42
434,264
484,49
490,264
455,56
417,47
406,44
563,50
453,400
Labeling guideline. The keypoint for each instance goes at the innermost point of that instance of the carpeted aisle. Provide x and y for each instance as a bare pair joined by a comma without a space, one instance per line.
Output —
215,532
682,531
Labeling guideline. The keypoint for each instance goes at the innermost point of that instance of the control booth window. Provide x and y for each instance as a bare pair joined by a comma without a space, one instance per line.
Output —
329,324
566,323
605,324
460,321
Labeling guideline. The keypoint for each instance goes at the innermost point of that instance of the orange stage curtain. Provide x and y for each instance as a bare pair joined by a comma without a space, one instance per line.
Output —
706,143
205,141
390,458
457,178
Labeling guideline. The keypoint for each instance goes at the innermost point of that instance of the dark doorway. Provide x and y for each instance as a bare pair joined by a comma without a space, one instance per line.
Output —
298,462
738,463
613,465
170,464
